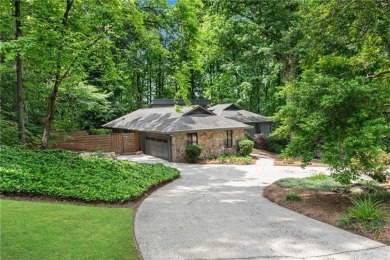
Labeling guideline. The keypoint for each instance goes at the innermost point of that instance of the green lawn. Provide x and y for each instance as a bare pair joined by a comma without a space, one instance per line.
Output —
36,230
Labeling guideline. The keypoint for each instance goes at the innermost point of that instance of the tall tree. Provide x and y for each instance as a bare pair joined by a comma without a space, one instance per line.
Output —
19,77
59,76
336,107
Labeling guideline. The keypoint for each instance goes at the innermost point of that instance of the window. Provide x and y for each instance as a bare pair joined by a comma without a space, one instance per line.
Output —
192,138
228,139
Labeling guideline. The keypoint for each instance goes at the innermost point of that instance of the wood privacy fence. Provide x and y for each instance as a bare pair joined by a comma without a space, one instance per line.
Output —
120,143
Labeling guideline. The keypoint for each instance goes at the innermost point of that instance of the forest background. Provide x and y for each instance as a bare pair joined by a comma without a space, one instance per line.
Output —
321,69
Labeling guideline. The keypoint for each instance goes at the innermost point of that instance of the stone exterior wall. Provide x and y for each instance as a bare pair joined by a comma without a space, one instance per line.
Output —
211,142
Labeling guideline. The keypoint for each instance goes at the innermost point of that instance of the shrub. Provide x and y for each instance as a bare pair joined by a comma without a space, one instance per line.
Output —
99,131
365,211
292,196
260,141
245,147
247,136
193,152
9,132
276,145
345,177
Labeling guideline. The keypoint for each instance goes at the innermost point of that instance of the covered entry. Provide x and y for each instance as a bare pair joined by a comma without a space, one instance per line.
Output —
157,145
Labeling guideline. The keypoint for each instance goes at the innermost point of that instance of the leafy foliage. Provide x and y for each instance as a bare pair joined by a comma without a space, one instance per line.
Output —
336,108
245,147
99,131
66,175
269,143
8,132
193,152
260,141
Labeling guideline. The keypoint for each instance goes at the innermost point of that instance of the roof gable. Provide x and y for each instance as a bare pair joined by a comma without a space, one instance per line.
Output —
232,107
234,112
198,110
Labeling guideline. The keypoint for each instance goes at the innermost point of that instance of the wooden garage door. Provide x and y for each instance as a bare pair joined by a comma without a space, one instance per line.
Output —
157,145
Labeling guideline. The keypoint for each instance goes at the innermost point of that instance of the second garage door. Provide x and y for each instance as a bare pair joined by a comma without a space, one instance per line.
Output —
157,145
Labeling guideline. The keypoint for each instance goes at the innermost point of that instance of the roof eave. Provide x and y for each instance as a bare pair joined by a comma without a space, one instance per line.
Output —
207,129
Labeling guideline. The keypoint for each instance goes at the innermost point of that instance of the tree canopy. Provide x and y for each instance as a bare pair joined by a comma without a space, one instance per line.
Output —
321,68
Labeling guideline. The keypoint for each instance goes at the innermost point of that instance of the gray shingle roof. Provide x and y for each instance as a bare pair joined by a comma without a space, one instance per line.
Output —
234,112
167,120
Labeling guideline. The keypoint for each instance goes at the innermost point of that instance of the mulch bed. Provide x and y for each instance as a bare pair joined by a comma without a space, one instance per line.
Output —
282,162
216,161
297,162
327,207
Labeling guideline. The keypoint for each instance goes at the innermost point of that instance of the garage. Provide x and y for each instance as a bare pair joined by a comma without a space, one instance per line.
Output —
157,145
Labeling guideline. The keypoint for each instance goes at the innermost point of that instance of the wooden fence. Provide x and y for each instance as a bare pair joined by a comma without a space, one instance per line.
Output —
120,143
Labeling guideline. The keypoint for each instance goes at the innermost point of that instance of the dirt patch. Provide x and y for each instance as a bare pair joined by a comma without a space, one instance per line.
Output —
297,162
216,161
327,207
283,162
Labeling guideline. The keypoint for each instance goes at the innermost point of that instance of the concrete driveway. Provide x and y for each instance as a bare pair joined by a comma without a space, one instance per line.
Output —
218,212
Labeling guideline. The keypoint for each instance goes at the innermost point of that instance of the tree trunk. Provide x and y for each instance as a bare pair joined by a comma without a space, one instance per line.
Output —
285,69
19,78
51,106
150,82
292,66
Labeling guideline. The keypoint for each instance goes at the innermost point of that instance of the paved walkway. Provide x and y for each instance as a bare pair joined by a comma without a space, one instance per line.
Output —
218,212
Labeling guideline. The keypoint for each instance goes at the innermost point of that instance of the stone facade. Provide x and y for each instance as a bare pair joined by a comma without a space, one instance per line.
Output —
211,142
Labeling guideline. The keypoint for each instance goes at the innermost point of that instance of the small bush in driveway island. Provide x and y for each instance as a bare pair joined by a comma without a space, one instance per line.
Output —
192,153
292,196
245,147
365,211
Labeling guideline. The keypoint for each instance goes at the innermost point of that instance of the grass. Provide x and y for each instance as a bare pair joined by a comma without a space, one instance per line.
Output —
36,230
381,196
292,196
232,158
318,177
365,211
67,175
315,182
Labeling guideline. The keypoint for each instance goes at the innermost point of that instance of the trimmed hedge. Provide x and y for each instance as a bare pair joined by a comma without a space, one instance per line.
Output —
67,175
245,147
193,152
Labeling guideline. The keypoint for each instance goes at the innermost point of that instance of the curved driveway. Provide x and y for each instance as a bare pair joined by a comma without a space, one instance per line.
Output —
218,212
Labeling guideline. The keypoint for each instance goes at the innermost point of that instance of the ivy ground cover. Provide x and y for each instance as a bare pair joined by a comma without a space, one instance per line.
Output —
63,174
42,230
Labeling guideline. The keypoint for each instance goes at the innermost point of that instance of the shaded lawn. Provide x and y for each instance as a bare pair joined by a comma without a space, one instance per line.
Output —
39,230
